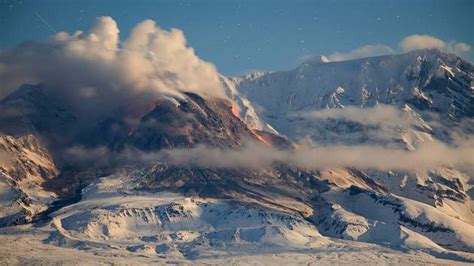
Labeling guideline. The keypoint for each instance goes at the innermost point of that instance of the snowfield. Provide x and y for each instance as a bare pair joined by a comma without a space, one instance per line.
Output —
112,225
24,245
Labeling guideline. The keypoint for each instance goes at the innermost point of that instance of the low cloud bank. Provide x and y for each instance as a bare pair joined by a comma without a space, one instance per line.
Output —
386,119
257,155
316,157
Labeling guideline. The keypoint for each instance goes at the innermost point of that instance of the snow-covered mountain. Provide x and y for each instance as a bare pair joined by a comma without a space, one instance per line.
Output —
154,211
424,80
430,92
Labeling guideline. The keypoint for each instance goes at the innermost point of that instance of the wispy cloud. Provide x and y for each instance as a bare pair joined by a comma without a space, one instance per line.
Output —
378,115
416,41
361,52
383,122
307,156
409,43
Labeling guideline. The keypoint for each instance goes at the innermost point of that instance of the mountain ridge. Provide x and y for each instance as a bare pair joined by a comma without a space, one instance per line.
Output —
156,207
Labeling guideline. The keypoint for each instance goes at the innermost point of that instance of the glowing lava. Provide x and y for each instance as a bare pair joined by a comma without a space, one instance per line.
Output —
235,110
260,138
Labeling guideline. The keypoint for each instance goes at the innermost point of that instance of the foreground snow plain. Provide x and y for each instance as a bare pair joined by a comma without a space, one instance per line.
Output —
24,246
112,225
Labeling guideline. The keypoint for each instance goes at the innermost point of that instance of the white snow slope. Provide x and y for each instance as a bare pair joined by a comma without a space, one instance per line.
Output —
112,225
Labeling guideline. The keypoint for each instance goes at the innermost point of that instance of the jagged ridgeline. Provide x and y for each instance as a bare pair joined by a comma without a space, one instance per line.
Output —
114,180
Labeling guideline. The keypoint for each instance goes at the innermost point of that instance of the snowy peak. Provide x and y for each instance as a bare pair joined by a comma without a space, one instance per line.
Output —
384,79
426,80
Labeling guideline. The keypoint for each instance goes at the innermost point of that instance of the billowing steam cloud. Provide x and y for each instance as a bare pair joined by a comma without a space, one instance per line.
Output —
92,69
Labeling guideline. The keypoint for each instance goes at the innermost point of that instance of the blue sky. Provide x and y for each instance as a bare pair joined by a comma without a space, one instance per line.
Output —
242,36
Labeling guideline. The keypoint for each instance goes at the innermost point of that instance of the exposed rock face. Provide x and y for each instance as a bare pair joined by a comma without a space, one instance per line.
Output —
25,165
188,122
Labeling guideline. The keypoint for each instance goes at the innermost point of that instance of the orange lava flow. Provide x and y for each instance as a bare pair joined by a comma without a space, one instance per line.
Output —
235,110
261,139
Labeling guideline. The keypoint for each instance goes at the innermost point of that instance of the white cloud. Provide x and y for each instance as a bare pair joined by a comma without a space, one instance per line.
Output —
378,115
256,155
458,48
318,157
384,121
364,51
101,41
416,41
90,70
409,43
312,58
324,59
